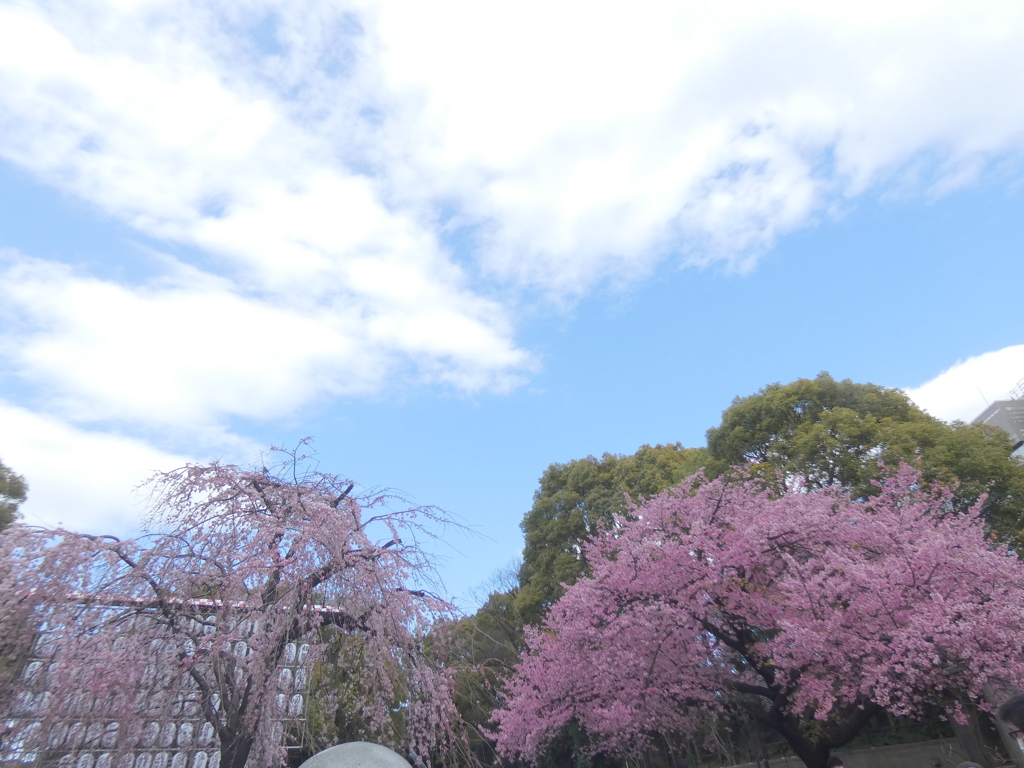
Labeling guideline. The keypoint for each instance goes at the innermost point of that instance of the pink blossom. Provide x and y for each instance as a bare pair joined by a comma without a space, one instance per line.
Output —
719,594
249,576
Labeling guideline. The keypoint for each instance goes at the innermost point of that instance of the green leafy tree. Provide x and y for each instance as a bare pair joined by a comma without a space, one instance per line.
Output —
828,432
577,498
484,649
12,493
337,688
832,432
13,652
824,430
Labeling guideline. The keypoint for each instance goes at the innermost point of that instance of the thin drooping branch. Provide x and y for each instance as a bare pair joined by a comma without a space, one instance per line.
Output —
238,589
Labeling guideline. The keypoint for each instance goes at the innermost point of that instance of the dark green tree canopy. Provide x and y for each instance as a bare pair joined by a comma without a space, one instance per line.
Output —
574,499
832,432
13,490
825,431
821,428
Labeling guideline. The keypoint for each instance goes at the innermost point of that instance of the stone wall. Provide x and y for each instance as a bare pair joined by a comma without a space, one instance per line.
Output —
940,753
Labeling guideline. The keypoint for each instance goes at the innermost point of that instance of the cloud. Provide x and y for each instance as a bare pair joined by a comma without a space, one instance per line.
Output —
174,353
183,352
582,143
319,157
965,390
312,164
311,264
595,141
83,480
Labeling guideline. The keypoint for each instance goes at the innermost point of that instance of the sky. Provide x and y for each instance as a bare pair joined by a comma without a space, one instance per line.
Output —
455,242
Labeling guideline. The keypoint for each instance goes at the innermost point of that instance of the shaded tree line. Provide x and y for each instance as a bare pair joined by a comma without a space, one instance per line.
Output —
13,491
820,433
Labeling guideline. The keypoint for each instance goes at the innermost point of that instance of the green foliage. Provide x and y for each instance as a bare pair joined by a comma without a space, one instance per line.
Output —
13,651
575,499
973,460
484,648
338,687
335,719
836,432
12,493
828,432
825,430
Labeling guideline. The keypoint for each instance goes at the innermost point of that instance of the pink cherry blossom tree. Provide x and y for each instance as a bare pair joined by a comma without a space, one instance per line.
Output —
198,635
810,613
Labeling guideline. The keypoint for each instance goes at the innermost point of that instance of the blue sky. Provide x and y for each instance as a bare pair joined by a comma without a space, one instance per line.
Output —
456,242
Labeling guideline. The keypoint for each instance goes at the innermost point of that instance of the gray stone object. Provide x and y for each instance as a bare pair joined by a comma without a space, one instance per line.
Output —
357,754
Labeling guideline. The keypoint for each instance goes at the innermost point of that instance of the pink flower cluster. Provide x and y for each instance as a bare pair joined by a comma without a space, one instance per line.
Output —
201,621
818,604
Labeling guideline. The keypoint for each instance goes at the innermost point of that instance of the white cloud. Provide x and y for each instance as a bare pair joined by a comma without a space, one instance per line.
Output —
178,353
83,480
318,153
315,268
584,141
188,350
965,390
594,140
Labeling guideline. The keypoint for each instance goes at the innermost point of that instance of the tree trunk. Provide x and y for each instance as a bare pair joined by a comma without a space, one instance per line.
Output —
969,736
813,756
1009,743
235,754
